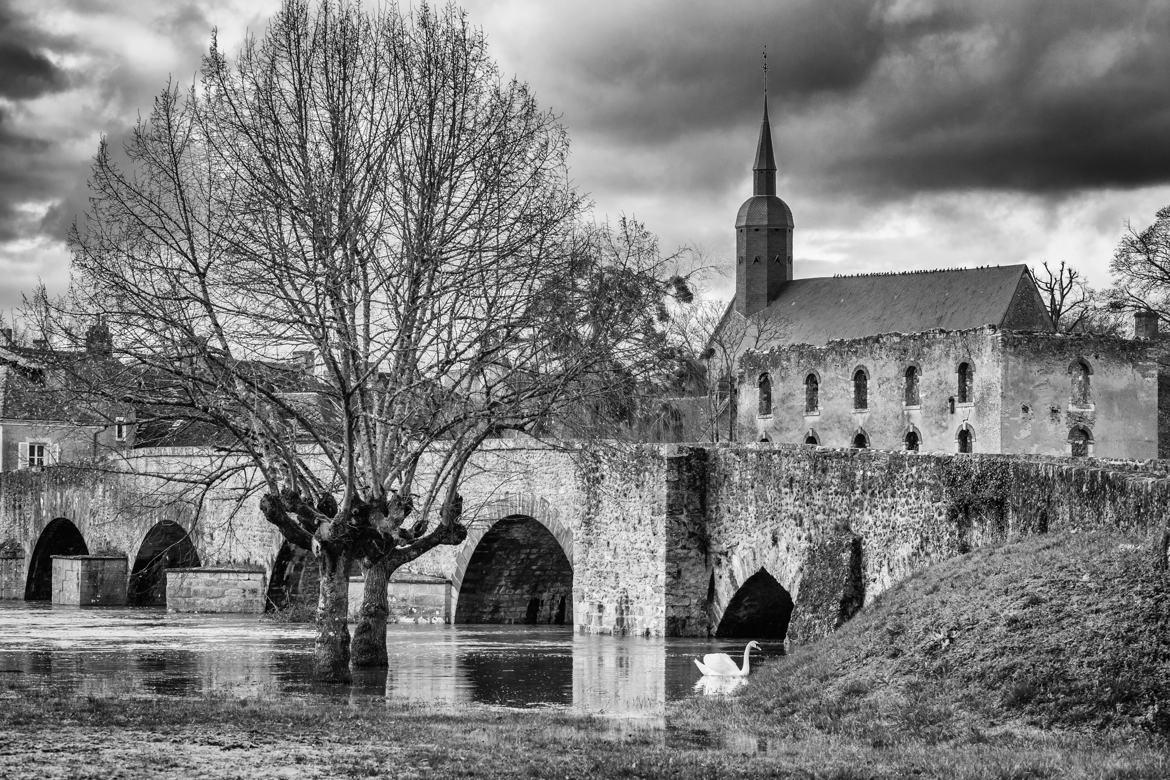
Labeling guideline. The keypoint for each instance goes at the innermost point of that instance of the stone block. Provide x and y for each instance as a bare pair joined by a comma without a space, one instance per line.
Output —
90,580
412,598
215,590
11,572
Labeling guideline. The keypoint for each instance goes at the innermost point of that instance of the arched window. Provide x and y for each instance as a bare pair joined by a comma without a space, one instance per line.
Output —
1079,372
1079,439
812,393
860,389
911,390
912,441
966,383
765,395
812,438
860,440
966,439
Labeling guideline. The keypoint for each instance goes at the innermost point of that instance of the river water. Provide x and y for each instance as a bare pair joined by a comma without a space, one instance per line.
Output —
149,652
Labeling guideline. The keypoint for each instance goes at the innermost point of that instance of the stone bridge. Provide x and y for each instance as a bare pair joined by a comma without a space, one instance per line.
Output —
771,542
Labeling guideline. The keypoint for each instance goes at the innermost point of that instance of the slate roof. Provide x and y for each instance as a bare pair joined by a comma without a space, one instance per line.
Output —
819,310
33,388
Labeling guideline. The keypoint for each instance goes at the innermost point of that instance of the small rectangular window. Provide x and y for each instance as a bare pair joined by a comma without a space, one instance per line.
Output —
120,429
37,454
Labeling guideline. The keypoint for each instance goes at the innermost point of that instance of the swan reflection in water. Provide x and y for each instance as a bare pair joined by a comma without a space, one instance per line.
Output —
712,685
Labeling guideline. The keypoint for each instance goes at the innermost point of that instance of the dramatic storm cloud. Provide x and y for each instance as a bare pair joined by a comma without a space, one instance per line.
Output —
909,133
69,74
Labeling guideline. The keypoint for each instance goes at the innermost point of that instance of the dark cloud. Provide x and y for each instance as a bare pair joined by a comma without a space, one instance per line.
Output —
649,73
878,108
899,96
25,73
34,169
1042,97
25,69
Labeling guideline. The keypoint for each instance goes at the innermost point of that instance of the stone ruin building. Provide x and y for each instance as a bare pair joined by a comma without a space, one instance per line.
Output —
946,361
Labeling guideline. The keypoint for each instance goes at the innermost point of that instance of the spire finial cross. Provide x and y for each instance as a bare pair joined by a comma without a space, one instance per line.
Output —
765,68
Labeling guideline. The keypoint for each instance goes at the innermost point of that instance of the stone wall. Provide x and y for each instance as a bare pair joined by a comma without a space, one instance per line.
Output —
412,599
11,571
837,527
886,418
215,590
89,580
660,539
687,559
619,573
1038,409
1021,402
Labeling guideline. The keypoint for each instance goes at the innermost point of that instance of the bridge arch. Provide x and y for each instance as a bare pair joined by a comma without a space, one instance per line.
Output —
59,537
760,608
165,546
516,565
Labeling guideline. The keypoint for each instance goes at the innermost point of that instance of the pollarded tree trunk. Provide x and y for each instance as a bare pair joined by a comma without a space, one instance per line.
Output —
369,636
331,650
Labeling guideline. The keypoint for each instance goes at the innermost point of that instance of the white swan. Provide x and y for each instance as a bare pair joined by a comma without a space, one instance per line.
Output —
721,665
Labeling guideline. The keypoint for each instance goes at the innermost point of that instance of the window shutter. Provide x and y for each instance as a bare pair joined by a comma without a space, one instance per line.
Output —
22,455
55,455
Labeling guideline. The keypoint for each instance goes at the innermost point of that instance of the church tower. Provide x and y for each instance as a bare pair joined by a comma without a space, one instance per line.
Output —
763,233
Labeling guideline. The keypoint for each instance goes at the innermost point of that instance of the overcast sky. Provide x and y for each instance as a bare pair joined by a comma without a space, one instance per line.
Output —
909,134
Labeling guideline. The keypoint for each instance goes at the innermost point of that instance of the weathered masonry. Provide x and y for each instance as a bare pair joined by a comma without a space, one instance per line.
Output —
976,390
781,542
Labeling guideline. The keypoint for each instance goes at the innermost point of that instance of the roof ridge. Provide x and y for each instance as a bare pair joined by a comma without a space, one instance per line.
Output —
918,271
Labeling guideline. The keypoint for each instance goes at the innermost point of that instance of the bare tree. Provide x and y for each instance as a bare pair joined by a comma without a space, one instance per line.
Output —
1065,295
716,335
364,194
1073,305
1141,268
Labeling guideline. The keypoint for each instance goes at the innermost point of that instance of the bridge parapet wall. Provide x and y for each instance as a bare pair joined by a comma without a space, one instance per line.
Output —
660,539
789,509
114,511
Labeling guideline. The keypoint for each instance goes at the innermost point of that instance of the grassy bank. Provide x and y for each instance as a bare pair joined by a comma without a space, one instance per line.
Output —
1045,658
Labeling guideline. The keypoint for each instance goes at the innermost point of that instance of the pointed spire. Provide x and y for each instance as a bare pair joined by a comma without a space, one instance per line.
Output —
765,168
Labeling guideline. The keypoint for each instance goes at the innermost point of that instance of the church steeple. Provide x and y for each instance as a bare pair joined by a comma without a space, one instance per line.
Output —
763,230
765,168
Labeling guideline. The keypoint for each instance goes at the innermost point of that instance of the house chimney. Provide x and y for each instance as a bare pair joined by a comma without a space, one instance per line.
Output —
1145,325
98,341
